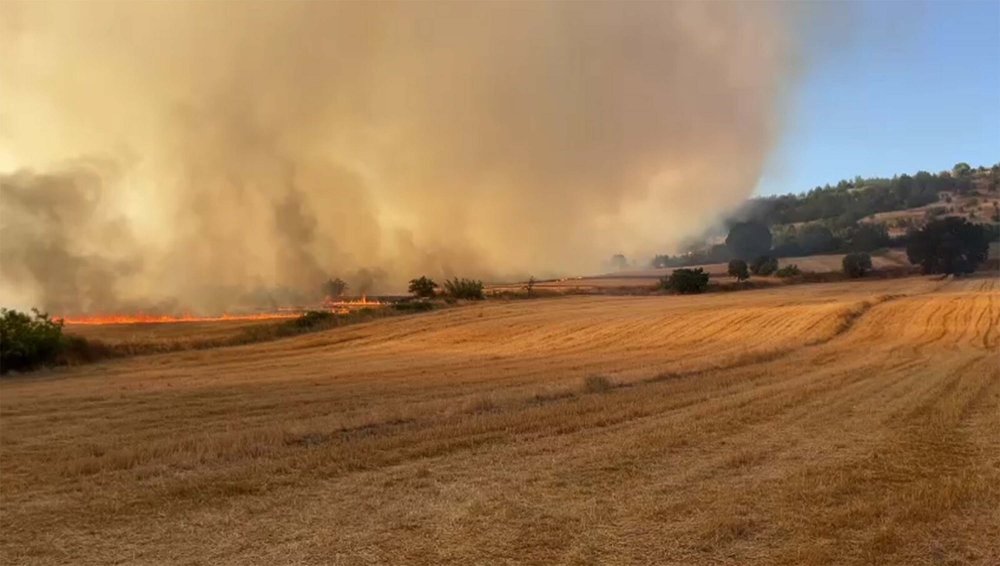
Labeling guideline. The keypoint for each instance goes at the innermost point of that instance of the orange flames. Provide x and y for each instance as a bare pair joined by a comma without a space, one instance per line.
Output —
339,306
141,318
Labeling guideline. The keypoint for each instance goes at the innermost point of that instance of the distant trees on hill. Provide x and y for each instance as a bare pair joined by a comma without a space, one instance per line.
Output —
852,200
827,219
952,246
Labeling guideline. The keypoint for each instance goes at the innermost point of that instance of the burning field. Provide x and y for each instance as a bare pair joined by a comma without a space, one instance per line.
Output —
850,423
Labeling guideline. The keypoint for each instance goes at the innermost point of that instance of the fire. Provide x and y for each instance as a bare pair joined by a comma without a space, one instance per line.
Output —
141,318
341,306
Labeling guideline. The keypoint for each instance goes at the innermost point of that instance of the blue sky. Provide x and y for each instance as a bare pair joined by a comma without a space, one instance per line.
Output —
913,86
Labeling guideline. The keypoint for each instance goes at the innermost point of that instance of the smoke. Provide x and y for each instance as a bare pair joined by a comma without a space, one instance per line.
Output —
269,146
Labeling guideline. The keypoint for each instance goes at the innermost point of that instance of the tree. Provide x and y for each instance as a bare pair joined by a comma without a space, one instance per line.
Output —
334,288
764,265
952,246
816,238
422,287
738,269
464,288
530,285
686,281
856,264
790,270
28,341
961,169
867,237
748,239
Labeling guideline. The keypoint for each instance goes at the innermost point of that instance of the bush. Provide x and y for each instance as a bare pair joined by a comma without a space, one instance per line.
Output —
422,287
790,270
464,289
950,246
686,281
764,265
27,341
857,264
738,269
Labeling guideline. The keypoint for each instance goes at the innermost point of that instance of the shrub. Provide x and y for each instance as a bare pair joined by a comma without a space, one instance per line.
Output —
764,265
27,341
790,270
422,287
597,384
464,288
686,281
738,269
949,246
857,264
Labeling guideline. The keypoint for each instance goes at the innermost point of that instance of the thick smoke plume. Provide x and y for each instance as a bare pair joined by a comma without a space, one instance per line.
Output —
204,155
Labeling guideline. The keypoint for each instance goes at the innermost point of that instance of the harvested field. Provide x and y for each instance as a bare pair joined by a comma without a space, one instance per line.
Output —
850,423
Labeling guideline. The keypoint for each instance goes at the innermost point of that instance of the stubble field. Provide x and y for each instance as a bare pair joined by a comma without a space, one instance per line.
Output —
852,423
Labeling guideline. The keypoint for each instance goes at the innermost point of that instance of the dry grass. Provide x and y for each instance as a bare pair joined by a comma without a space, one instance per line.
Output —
840,423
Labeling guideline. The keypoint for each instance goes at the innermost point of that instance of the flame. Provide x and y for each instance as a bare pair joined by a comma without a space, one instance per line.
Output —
141,318
341,306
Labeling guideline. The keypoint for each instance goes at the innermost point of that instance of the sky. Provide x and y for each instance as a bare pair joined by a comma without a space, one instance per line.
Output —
914,86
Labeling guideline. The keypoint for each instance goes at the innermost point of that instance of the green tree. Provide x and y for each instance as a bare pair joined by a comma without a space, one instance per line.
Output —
738,269
952,246
961,169
464,289
764,265
748,240
686,281
422,287
856,264
28,341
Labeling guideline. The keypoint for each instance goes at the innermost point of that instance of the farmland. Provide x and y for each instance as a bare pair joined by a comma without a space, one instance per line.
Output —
846,422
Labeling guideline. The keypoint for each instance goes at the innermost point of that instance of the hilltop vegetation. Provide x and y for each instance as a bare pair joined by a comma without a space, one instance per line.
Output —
858,215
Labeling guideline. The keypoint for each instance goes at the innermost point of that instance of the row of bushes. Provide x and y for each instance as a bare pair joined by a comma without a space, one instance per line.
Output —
455,288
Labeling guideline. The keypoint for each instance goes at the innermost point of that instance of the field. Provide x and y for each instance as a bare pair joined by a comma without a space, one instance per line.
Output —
848,423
